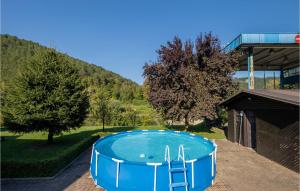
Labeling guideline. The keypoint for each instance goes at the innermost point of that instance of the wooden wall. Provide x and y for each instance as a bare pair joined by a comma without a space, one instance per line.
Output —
278,137
277,128
231,125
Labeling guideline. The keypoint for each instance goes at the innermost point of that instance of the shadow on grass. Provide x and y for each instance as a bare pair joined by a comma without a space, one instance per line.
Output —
192,128
3,129
7,137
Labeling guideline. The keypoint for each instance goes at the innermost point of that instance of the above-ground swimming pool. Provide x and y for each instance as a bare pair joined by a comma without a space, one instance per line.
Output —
153,160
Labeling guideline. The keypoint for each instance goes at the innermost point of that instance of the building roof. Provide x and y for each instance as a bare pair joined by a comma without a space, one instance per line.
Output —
263,40
271,51
286,96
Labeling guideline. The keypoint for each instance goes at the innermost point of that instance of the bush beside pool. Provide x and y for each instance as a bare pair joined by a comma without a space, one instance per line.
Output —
115,168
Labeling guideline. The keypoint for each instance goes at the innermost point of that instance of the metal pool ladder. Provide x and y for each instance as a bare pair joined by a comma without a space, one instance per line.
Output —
171,170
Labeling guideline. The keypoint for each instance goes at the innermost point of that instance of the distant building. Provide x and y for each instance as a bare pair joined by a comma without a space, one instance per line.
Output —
267,120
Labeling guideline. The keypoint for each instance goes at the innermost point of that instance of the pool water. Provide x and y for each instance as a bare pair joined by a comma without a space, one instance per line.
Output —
150,146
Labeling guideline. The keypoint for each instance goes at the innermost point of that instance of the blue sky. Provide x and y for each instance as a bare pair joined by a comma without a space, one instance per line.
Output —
121,35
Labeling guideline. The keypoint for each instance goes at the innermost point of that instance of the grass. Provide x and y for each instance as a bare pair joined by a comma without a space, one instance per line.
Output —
29,155
200,129
147,115
210,133
33,146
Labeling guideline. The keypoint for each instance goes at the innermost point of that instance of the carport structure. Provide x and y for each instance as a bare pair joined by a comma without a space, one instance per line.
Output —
269,52
267,120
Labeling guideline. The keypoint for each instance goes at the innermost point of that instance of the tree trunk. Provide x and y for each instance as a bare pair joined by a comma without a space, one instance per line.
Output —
50,136
186,123
103,117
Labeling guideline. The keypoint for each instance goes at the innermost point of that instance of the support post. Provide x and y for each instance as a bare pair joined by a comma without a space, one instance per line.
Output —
274,81
96,163
281,78
212,163
92,157
265,79
155,173
193,177
212,167
193,172
118,170
250,69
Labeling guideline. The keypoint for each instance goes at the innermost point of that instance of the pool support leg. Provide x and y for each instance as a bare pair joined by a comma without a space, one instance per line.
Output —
212,166
92,156
118,170
193,172
155,173
96,165
216,148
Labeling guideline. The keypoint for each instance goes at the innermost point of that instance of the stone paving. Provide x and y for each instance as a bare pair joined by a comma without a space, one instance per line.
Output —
238,169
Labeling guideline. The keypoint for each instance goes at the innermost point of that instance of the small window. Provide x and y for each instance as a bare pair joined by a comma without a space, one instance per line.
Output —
285,73
291,72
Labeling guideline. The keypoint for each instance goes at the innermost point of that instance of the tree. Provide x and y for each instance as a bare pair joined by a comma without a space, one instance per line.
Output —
216,73
47,95
131,116
270,83
102,109
145,90
186,83
169,81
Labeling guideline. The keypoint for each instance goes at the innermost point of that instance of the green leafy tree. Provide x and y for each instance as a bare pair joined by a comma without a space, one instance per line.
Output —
102,107
131,116
145,90
47,95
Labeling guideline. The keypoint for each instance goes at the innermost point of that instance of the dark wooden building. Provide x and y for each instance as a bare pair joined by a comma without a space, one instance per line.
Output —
267,121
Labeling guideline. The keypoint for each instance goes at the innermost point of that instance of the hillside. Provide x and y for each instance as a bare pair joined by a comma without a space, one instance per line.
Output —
15,52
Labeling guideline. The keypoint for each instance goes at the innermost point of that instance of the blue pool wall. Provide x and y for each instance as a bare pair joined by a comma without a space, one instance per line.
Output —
136,176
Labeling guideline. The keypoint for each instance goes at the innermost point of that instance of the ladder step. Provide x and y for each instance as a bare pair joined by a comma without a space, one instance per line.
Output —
177,169
178,184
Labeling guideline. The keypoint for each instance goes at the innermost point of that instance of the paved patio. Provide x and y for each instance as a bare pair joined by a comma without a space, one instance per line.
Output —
238,168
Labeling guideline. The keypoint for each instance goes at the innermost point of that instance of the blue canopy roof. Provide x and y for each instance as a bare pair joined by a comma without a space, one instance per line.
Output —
262,39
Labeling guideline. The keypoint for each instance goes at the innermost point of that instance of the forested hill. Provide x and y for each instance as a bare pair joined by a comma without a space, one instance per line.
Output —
15,51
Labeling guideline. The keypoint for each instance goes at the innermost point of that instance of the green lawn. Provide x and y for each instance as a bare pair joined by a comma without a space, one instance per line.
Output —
29,155
210,133
34,147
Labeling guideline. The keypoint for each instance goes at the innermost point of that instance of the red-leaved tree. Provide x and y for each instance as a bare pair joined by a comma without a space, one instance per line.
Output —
186,82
